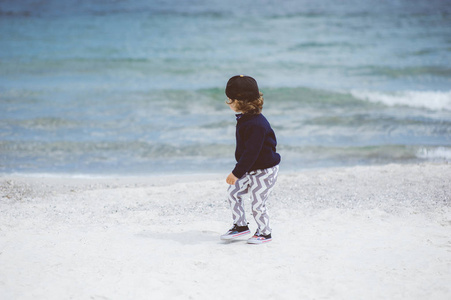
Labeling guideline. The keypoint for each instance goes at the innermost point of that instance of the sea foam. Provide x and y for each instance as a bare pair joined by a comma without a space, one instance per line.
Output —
441,153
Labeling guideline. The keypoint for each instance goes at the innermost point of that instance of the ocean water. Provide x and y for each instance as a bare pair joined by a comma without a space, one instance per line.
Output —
137,87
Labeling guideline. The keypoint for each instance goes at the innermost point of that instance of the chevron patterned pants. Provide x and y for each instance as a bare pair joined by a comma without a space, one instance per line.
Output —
258,185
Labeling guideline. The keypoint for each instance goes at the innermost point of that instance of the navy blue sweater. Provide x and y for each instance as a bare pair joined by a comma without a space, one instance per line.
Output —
255,145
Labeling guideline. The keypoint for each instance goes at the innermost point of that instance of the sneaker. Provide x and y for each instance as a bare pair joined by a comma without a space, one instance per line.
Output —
235,232
259,239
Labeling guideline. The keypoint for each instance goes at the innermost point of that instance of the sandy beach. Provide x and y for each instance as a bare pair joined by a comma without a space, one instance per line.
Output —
368,232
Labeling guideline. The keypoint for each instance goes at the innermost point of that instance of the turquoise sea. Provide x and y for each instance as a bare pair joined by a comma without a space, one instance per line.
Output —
137,87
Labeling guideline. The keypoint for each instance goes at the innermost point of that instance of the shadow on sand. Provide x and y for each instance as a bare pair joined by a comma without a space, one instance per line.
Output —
191,237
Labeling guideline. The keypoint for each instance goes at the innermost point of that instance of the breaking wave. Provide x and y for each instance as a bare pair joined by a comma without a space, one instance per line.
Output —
433,100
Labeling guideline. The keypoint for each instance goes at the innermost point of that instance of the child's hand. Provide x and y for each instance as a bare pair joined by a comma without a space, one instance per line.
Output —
231,179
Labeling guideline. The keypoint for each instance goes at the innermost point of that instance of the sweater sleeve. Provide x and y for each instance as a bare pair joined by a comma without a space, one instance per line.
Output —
254,137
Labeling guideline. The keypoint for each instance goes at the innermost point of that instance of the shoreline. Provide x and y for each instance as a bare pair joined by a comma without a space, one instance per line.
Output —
199,174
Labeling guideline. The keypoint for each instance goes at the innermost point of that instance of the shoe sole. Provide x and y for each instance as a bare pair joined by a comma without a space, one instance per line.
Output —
234,236
256,242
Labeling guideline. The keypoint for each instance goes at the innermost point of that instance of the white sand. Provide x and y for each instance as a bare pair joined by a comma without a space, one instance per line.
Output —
381,232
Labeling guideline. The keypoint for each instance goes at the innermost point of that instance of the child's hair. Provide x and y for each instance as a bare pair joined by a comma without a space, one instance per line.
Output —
248,107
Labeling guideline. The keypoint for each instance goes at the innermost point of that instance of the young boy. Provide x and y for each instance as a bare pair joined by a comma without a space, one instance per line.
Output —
257,160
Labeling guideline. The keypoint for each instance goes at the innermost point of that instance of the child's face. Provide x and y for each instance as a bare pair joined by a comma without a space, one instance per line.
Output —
232,105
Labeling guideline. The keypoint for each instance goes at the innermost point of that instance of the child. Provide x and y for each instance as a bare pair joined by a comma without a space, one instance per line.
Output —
257,160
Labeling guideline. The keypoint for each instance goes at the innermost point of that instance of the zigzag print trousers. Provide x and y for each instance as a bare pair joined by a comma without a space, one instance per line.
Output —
258,185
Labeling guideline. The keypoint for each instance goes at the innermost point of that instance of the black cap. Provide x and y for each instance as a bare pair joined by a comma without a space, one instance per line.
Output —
242,87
